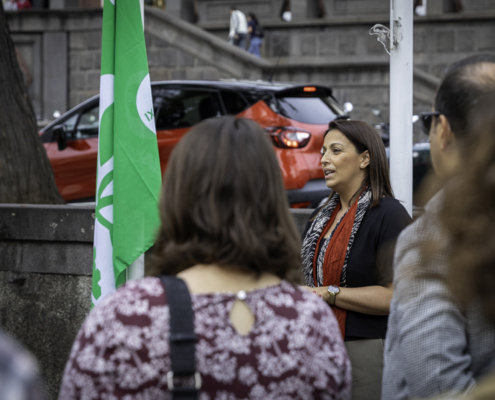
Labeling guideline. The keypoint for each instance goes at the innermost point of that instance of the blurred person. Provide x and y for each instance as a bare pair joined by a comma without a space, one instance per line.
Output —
18,372
227,232
255,35
286,13
348,246
476,58
10,5
238,28
433,345
420,7
23,4
469,221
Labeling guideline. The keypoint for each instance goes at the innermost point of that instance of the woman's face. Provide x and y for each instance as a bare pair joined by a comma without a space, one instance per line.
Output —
343,167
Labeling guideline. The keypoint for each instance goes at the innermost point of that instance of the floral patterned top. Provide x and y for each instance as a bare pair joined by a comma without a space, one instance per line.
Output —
293,351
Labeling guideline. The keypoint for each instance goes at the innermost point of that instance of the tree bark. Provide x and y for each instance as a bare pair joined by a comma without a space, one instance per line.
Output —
26,175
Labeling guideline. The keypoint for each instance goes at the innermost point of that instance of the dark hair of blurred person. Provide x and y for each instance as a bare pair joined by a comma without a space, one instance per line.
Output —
457,96
227,232
220,164
469,221
253,17
434,344
474,59
348,246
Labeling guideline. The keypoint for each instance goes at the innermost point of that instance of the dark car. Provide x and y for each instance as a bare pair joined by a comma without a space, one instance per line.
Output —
294,116
421,155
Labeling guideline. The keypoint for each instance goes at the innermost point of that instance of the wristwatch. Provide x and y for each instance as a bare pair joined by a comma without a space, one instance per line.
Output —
334,291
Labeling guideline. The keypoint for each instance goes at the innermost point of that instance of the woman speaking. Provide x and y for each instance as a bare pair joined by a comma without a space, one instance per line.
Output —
348,246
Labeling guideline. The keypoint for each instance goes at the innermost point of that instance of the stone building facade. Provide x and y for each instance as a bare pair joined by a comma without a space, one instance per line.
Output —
63,49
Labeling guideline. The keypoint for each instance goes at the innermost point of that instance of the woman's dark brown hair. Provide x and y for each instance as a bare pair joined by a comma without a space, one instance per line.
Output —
364,137
469,214
223,202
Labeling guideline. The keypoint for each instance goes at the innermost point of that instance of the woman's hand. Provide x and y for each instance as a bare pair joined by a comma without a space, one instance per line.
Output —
320,291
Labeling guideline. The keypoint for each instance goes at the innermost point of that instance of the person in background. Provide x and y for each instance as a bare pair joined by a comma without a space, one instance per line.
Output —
420,7
238,28
469,221
23,4
433,345
348,246
18,372
10,5
227,232
255,35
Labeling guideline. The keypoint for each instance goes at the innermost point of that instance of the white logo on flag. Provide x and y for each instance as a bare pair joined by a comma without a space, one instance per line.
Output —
106,92
144,104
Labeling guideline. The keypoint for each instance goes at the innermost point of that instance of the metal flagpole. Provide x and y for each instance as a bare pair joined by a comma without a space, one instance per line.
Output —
136,269
401,100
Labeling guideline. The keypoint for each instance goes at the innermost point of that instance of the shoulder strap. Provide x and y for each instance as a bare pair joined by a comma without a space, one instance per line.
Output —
182,340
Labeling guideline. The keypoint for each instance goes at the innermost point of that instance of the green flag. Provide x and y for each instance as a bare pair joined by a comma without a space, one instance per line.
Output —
128,177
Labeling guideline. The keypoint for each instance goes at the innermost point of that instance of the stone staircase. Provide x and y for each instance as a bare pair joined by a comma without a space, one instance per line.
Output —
335,52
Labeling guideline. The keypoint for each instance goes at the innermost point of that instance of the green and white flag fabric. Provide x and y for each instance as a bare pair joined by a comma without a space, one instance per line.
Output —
129,178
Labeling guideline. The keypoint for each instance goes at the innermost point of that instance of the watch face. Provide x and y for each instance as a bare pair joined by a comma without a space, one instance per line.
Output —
333,289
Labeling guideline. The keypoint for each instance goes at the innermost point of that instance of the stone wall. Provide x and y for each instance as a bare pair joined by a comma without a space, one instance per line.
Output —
269,11
338,52
218,10
175,51
45,279
179,50
62,50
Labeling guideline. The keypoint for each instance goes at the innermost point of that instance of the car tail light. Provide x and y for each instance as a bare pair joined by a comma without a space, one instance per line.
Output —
289,137
309,89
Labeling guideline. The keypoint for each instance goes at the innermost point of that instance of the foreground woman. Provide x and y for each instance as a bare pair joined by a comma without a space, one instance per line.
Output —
227,232
348,246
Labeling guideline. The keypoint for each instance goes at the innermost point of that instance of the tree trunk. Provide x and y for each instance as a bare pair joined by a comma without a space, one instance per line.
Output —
26,175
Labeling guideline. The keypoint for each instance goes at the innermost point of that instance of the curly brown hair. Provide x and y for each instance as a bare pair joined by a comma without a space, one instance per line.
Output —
469,215
223,202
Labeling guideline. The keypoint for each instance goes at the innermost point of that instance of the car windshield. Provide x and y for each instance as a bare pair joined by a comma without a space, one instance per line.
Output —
311,110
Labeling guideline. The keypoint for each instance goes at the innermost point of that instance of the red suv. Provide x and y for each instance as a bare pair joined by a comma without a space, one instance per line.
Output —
295,117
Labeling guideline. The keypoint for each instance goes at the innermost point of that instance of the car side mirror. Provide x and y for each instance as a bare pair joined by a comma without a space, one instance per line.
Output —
60,135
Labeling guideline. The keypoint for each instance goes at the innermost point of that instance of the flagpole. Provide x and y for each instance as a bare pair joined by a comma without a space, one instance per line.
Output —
141,6
401,100
136,269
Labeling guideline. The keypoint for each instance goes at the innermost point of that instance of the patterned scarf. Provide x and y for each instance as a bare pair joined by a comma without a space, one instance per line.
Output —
310,242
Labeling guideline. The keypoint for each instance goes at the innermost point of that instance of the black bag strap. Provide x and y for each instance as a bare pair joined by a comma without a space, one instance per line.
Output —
182,340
